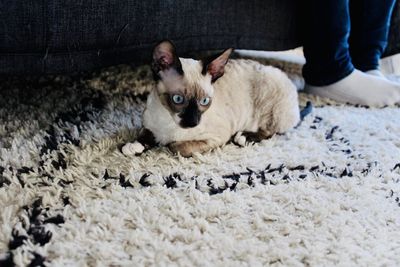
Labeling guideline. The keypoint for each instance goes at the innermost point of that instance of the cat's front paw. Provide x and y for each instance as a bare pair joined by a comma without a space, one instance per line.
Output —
239,139
245,138
188,148
130,149
182,148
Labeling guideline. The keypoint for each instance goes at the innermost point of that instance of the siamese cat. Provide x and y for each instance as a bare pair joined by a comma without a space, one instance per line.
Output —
197,106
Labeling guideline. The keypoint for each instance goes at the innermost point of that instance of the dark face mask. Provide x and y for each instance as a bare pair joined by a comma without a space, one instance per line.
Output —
190,116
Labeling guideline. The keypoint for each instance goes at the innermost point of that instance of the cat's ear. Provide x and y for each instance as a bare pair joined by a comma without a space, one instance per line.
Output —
215,65
165,58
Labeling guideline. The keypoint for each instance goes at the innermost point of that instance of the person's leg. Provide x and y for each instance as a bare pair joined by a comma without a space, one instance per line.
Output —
326,32
370,21
329,71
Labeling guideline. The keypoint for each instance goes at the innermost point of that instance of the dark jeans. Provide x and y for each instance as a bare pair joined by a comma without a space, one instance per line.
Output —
341,35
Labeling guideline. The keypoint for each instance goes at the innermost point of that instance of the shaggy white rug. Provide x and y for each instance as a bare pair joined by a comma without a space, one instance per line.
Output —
324,194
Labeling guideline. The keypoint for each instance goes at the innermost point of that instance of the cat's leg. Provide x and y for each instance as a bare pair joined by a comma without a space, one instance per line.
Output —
243,138
146,138
144,141
256,137
278,105
188,148
285,116
280,117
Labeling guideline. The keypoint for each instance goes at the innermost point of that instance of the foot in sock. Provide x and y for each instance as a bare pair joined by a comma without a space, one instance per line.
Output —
376,73
359,88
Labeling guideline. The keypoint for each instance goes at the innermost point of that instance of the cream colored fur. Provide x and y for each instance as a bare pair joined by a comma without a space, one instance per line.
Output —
249,97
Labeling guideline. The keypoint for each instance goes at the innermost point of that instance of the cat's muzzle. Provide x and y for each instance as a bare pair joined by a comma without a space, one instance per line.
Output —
190,116
190,122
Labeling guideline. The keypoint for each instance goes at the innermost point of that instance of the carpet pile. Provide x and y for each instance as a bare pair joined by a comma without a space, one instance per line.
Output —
326,193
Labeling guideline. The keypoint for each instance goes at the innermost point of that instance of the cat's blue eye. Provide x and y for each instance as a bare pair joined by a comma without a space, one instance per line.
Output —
178,99
205,101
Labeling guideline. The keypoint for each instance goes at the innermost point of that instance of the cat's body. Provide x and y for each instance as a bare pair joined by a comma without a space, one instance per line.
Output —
246,97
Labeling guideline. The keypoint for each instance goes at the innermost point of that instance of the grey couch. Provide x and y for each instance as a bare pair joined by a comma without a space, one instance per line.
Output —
44,37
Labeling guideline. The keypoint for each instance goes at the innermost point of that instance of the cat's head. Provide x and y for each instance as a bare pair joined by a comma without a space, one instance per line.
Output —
185,86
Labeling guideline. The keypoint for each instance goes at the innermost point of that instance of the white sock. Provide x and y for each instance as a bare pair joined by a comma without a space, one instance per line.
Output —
359,88
376,73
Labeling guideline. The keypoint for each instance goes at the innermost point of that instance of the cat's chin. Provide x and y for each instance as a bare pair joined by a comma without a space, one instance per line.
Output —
185,126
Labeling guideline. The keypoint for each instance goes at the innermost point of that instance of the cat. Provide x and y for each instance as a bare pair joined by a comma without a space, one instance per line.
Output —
199,105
